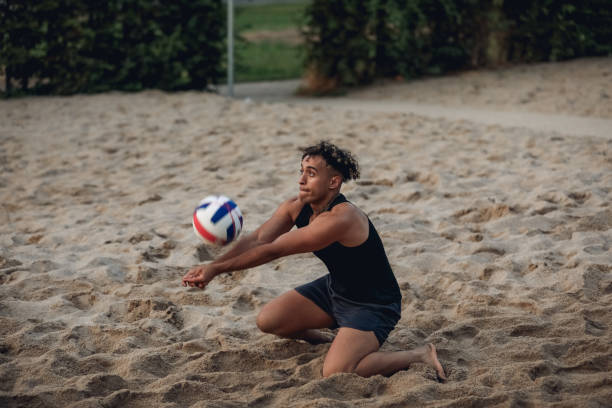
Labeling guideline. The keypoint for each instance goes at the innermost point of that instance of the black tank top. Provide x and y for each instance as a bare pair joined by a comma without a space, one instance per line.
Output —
360,273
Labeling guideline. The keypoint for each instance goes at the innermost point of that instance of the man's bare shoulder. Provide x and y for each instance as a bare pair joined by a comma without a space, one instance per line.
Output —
345,213
292,207
352,221
347,209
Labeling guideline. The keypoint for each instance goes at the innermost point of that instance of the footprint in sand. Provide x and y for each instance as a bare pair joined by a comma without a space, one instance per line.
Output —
138,309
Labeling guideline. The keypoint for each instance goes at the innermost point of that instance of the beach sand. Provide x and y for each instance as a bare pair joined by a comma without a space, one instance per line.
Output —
581,87
499,238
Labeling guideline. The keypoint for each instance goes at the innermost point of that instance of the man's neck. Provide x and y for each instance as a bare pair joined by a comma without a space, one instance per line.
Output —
324,205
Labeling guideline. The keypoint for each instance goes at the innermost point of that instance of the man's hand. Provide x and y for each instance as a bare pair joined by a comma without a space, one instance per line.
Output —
199,276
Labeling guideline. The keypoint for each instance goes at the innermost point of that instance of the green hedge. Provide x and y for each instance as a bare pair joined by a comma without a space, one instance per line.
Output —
68,46
553,30
340,41
354,41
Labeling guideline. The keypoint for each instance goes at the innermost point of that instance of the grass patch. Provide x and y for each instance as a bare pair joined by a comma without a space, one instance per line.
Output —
267,61
274,55
269,16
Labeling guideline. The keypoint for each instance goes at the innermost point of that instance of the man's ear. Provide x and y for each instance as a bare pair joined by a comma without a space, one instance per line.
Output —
335,182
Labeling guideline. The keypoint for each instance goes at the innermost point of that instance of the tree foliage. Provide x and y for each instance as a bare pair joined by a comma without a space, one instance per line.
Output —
352,42
68,46
340,39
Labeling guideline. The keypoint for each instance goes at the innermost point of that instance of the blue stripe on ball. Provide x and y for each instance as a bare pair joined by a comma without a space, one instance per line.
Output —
222,211
203,206
230,232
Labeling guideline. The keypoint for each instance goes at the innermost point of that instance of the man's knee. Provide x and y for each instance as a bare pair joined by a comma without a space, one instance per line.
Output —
266,322
271,322
335,368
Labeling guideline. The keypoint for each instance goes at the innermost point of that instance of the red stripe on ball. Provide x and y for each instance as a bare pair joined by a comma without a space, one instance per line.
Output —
203,232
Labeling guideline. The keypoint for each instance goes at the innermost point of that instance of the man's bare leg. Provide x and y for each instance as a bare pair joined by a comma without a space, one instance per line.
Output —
357,351
293,316
387,363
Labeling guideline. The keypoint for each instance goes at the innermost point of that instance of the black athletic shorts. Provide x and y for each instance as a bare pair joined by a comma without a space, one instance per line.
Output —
380,319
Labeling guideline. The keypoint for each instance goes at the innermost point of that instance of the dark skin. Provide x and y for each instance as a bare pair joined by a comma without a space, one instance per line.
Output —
292,315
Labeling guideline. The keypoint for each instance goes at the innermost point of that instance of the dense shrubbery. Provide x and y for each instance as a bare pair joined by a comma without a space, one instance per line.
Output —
340,39
68,46
553,30
351,42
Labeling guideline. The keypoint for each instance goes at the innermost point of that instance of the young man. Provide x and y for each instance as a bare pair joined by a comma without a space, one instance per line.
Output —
360,295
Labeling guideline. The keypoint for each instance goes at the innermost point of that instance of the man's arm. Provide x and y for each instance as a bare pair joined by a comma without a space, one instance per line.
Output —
280,222
317,235
324,230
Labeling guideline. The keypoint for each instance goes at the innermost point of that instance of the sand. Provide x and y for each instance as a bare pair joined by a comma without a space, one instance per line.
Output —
499,237
581,87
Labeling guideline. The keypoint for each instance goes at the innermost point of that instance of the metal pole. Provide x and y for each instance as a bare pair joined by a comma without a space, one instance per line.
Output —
230,47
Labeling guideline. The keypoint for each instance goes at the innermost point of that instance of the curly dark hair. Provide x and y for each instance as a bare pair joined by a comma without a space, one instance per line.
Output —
341,160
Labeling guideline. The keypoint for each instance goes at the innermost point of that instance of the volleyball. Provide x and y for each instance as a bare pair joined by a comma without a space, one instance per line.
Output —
217,220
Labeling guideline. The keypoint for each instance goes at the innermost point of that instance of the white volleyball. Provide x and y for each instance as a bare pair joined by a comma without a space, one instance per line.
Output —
217,220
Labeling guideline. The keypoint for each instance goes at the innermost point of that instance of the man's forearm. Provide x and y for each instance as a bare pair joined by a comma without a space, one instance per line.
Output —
248,242
251,257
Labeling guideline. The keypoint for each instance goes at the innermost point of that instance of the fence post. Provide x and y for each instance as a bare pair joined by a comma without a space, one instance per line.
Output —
230,48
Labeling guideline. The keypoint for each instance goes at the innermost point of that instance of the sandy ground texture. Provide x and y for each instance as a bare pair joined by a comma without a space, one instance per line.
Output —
581,87
499,237
571,97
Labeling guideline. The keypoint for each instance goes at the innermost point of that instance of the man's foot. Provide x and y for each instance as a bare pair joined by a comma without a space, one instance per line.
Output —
430,357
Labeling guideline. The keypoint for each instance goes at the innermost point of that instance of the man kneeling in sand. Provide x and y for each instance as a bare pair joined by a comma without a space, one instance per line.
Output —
360,295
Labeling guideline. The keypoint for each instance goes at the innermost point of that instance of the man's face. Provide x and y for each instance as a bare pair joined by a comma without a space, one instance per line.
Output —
314,179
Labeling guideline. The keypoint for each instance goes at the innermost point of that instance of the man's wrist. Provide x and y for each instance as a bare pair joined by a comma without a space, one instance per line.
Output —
215,268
